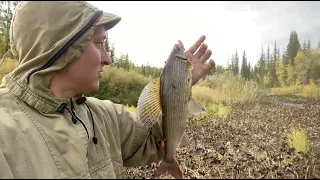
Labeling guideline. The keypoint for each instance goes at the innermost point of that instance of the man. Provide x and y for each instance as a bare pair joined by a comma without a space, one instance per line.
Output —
48,128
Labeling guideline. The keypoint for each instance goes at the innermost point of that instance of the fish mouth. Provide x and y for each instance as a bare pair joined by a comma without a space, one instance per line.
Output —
179,52
181,57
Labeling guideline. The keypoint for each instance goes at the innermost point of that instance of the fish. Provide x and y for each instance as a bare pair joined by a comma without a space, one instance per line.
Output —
168,100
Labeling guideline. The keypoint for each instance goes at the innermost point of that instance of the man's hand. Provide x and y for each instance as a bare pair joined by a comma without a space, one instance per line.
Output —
199,59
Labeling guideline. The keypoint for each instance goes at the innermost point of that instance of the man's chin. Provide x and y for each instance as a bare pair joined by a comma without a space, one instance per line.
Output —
93,88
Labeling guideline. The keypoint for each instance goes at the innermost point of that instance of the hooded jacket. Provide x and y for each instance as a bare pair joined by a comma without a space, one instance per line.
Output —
42,136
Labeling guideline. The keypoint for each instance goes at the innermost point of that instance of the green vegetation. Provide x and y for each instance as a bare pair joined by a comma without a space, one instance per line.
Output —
298,140
121,86
220,110
229,88
309,90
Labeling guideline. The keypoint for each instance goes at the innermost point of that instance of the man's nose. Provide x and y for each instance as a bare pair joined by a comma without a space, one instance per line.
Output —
107,59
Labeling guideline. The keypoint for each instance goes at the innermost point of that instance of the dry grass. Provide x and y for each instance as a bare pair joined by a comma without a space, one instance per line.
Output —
310,90
227,88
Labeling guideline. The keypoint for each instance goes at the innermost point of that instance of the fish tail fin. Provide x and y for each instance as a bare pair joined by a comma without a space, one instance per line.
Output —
172,168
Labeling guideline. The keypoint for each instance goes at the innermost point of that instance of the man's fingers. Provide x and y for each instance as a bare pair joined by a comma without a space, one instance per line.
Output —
205,56
195,46
209,65
201,51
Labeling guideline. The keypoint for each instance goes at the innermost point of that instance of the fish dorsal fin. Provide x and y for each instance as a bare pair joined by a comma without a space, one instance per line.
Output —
195,108
149,108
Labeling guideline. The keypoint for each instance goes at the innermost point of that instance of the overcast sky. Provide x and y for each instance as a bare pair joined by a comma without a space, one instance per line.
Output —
148,30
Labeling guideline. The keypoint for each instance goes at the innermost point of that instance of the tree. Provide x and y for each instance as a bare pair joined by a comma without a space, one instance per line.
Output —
6,13
304,47
244,66
284,68
293,47
235,64
309,44
303,64
272,67
248,73
111,49
262,66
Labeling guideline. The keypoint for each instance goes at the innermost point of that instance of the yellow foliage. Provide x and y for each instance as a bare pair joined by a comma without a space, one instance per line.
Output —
227,88
298,140
219,109
292,90
310,90
131,108
205,95
212,100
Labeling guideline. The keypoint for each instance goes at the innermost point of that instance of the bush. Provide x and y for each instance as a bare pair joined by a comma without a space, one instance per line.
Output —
227,88
204,95
121,86
298,140
310,90
293,90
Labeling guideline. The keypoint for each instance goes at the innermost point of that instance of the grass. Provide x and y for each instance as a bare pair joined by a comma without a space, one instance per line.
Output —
298,140
310,90
220,110
205,95
229,89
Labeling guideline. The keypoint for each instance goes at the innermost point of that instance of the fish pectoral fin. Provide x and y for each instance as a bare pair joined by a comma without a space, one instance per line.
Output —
149,109
184,141
195,107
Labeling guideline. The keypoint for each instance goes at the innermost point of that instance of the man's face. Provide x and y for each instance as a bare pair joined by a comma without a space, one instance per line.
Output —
86,72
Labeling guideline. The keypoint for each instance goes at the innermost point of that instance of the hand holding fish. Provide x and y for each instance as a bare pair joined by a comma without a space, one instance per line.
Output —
168,100
199,59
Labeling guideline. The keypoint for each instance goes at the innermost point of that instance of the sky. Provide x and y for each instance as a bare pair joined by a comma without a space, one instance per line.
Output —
149,29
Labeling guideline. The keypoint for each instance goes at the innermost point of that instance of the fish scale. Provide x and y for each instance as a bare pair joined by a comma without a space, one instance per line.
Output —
167,100
174,80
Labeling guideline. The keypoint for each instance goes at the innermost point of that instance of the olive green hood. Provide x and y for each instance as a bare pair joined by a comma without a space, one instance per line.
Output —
45,36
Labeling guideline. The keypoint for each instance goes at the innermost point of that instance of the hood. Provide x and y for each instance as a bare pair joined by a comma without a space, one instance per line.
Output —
45,36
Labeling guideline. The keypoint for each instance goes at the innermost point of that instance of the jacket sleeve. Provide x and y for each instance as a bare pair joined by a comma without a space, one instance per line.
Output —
140,146
5,171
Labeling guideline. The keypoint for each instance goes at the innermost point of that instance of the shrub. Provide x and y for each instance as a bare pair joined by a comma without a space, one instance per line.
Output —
297,139
227,88
121,86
